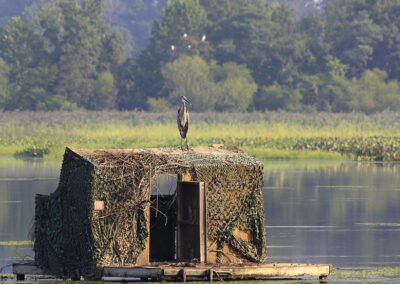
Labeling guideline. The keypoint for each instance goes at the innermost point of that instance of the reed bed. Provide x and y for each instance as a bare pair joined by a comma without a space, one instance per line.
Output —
266,135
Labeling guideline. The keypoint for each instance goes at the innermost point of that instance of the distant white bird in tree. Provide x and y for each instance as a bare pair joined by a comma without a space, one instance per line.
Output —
183,120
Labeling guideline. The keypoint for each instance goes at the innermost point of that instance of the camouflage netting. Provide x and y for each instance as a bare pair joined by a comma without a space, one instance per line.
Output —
72,239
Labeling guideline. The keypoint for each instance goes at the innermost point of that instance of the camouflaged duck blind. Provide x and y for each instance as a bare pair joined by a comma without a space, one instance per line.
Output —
103,212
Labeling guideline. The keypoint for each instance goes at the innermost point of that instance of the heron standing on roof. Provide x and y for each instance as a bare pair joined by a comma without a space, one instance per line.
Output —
183,120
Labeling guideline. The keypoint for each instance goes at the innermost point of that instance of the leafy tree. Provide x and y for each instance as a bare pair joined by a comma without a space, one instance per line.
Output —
221,10
372,93
5,88
264,38
27,58
179,17
158,105
127,96
113,52
328,90
105,92
276,97
364,34
83,47
79,49
312,28
236,87
191,77
134,19
209,86
55,102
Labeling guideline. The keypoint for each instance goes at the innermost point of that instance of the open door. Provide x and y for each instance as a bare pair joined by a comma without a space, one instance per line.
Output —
191,222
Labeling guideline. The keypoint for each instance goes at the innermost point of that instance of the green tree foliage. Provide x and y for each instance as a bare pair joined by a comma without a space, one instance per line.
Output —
85,49
364,34
29,69
328,90
278,97
221,10
158,105
79,48
179,17
342,55
4,84
105,92
134,19
372,92
236,87
191,77
127,96
209,86
264,38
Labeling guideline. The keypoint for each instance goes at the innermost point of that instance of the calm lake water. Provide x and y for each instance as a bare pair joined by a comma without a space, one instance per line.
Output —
343,213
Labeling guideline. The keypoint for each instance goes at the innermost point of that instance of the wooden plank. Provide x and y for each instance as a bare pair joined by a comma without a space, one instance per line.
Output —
205,226
144,256
273,271
202,223
134,272
206,272
279,271
188,271
27,269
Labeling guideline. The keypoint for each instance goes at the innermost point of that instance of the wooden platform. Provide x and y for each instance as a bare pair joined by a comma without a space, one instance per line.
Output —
191,272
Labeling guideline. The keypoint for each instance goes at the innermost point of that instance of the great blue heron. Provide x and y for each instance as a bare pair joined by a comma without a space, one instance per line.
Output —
183,120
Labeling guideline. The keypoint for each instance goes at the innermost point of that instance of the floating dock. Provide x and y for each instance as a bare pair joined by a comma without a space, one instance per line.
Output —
198,272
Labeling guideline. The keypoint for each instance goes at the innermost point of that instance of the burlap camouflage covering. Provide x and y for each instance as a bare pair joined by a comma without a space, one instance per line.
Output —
72,239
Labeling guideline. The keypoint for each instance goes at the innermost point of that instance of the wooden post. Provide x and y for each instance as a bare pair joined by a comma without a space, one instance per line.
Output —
183,275
20,277
202,223
210,275
205,224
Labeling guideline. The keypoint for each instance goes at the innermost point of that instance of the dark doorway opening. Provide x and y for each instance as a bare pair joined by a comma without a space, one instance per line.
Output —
177,220
163,219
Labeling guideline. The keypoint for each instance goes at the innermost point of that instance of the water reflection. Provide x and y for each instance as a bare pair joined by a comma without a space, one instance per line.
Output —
19,182
342,213
346,213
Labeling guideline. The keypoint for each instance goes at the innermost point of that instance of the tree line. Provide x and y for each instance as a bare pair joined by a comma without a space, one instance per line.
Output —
225,55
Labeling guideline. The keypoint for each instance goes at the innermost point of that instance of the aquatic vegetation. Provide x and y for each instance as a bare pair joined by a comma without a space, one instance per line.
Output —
34,151
266,135
376,148
379,224
373,274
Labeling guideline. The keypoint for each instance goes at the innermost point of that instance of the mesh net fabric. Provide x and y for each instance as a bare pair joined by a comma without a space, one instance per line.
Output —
85,240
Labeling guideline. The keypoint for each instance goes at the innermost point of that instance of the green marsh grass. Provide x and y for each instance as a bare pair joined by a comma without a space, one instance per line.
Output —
270,135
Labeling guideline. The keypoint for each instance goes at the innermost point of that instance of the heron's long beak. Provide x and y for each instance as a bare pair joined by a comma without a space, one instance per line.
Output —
188,101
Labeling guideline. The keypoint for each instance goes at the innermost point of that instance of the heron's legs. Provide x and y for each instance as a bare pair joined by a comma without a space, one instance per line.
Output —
187,144
181,144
